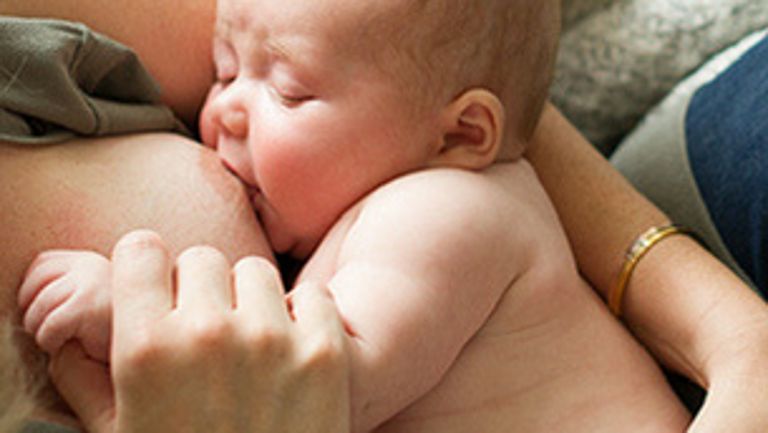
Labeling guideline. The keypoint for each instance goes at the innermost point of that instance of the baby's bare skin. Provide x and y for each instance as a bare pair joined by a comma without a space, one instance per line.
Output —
550,357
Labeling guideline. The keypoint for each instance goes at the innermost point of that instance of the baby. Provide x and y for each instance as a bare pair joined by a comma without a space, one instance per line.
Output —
381,142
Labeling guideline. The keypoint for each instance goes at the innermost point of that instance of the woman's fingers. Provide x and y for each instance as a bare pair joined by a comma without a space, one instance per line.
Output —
259,292
315,310
323,355
203,281
85,384
227,368
141,281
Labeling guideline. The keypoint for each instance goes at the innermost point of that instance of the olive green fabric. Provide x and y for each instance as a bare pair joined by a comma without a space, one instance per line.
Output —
44,427
59,79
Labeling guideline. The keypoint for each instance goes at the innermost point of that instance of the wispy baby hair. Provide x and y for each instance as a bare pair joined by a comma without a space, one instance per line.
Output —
505,46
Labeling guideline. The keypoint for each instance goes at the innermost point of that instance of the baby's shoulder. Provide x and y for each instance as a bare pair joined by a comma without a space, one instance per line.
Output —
503,191
504,204
499,215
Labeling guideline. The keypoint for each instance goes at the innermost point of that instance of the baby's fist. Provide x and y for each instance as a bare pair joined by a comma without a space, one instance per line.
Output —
66,295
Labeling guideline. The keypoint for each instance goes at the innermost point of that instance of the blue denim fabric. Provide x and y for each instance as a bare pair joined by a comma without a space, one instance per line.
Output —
727,139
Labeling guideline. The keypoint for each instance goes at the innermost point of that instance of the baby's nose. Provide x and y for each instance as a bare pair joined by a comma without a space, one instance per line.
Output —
235,123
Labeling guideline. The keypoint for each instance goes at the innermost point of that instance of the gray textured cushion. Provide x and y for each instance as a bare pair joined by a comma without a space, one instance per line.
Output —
619,60
575,10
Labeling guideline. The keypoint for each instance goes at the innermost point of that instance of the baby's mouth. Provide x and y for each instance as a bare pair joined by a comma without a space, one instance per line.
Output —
254,197
253,191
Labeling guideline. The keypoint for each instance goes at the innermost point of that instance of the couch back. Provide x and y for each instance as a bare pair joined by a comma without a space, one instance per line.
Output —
619,58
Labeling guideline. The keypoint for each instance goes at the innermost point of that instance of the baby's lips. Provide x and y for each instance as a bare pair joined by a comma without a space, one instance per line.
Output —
253,191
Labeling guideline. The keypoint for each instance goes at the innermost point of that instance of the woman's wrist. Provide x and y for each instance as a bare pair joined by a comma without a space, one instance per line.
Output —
680,301
639,248
691,311
740,349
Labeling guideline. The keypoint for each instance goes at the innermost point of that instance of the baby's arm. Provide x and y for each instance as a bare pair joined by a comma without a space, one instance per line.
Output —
422,266
65,295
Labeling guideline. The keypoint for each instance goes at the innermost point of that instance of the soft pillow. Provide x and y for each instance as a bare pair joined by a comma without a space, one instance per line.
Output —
619,60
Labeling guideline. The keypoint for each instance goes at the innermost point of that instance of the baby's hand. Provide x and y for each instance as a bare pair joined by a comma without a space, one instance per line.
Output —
66,295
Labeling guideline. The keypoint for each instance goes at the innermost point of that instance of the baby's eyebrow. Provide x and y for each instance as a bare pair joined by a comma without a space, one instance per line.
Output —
279,51
291,55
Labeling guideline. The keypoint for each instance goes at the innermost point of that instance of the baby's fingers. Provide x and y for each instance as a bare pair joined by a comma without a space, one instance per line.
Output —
47,300
60,326
47,267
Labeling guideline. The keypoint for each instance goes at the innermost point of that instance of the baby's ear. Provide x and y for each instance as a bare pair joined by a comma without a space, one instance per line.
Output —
472,131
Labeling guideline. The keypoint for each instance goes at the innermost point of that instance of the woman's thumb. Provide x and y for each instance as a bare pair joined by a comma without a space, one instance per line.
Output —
86,386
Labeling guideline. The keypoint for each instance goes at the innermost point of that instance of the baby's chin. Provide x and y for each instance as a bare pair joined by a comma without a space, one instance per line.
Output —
287,243
299,249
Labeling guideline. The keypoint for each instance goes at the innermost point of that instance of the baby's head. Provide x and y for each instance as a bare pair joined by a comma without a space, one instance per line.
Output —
442,50
318,102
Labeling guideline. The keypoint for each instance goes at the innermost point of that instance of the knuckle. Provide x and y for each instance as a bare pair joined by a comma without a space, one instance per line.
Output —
324,353
52,254
140,353
209,332
268,342
40,259
40,265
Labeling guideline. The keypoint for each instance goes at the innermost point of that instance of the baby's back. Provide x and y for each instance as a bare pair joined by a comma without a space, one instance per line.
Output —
550,358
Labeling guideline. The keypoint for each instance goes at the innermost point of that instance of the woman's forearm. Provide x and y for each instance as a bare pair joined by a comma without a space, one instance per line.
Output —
602,213
681,302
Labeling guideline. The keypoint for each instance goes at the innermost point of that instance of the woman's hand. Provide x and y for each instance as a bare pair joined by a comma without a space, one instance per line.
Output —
211,349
